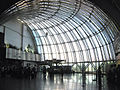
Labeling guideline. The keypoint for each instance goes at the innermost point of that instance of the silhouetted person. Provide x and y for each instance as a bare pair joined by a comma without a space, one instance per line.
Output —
99,77
62,72
83,77
44,70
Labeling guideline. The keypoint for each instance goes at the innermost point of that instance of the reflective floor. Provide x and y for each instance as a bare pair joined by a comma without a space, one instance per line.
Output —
53,82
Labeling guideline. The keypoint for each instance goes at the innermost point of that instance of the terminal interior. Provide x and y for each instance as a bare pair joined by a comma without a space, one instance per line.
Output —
60,45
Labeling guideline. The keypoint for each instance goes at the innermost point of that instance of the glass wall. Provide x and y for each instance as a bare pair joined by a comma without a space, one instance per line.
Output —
70,30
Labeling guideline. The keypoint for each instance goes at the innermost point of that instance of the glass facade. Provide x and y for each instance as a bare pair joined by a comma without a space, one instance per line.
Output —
70,30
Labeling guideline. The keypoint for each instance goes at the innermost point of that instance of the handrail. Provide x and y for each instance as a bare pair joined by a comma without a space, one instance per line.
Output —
21,55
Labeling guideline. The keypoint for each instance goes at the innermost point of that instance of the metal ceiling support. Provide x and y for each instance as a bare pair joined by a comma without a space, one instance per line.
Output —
70,30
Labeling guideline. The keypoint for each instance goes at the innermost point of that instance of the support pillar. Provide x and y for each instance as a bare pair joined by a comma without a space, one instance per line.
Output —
22,27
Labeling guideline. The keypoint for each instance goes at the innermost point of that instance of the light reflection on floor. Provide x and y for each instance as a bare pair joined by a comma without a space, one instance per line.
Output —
51,82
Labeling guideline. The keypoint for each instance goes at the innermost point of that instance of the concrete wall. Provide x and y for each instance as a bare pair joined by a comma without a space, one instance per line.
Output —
13,34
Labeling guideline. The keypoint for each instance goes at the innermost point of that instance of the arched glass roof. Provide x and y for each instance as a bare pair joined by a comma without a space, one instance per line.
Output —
71,30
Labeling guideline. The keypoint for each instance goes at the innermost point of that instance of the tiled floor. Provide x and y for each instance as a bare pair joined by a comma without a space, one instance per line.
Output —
53,82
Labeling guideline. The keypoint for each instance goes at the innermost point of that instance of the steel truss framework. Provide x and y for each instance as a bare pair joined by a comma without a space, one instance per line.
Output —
92,67
70,30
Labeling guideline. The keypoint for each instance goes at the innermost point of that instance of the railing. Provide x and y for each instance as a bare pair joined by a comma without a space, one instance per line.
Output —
21,55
